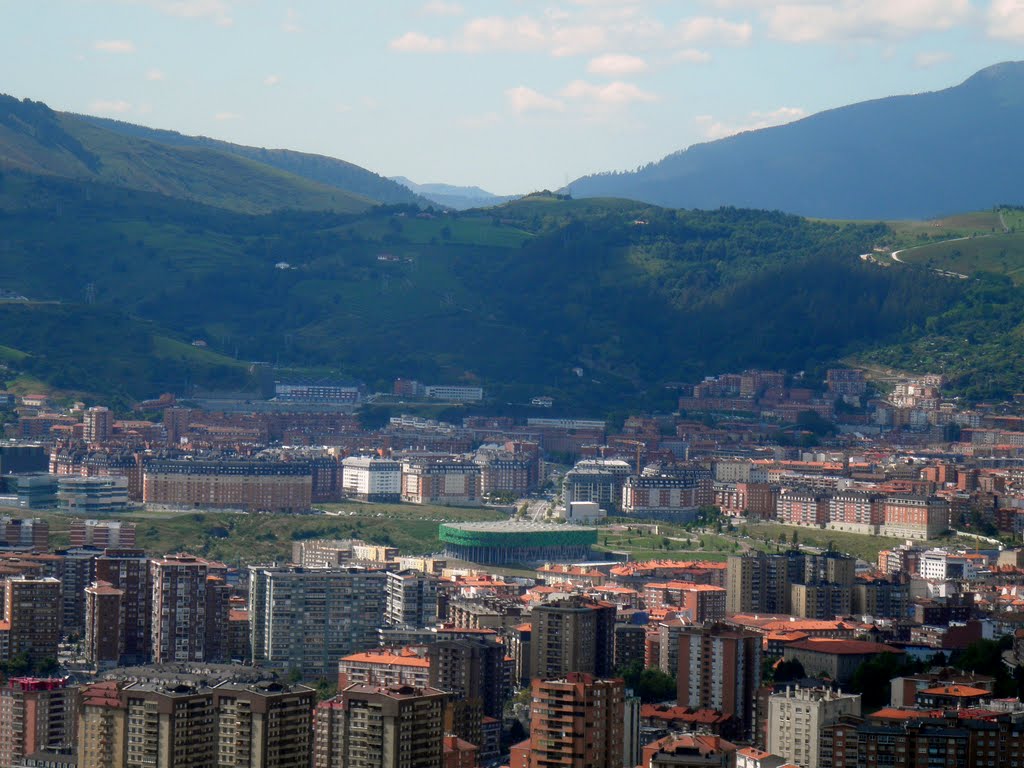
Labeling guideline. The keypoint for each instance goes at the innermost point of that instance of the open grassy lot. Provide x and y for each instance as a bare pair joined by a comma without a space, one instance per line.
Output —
243,538
859,545
671,542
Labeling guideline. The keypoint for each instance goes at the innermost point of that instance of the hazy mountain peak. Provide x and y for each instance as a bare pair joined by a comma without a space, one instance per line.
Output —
899,157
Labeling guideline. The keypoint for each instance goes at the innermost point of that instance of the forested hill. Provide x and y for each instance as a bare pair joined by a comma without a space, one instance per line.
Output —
35,139
319,168
514,298
903,157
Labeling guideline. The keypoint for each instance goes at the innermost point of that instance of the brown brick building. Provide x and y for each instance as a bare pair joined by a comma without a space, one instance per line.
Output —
273,486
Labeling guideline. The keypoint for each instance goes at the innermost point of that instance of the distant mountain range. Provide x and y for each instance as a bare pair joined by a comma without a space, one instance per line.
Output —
902,157
456,197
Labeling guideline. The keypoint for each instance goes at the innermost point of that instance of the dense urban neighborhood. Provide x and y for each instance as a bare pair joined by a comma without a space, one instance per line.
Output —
781,572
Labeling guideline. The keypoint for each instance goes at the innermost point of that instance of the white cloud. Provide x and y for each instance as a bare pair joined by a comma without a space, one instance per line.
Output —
114,46
414,42
701,29
223,116
441,8
110,106
865,20
271,80
155,75
218,11
609,94
585,28
291,21
496,33
1006,19
927,59
717,129
691,56
572,41
617,65
522,100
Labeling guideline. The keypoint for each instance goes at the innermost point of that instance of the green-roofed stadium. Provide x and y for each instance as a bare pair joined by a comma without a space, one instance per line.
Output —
509,541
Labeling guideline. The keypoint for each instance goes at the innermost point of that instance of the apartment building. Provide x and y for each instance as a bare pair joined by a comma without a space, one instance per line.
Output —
370,478
373,727
572,635
32,618
129,571
260,485
305,619
35,713
194,718
451,481
720,669
179,608
410,599
575,722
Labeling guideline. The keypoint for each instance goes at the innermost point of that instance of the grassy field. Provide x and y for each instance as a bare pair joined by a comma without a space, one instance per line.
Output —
10,354
462,230
859,545
240,538
672,542
1000,253
908,233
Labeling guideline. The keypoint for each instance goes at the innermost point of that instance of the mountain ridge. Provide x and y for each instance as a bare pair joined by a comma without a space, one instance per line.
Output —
454,196
896,157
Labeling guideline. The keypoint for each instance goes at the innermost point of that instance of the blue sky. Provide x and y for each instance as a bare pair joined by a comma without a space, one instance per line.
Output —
512,96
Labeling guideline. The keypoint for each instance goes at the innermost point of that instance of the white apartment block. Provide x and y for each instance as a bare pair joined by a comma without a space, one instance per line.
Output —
796,717
940,565
372,479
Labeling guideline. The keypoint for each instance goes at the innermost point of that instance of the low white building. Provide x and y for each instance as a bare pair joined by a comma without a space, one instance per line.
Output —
583,512
941,565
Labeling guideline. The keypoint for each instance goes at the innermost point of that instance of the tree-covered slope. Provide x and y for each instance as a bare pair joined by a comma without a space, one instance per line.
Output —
35,139
901,157
319,168
515,298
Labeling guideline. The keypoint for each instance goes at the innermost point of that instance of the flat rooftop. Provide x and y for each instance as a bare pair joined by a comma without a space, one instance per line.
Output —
513,526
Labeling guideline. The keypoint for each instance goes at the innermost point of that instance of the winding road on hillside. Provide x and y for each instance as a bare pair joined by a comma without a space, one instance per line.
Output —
895,255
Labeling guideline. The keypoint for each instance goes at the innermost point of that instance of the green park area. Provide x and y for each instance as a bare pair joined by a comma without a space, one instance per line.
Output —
235,538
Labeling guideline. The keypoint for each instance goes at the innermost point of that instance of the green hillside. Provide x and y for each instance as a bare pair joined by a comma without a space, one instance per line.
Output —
35,139
513,297
129,249
318,168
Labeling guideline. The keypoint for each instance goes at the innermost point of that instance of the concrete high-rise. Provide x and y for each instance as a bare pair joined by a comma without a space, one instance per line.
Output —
77,570
128,570
720,669
575,722
32,618
203,718
411,599
759,582
104,624
35,714
572,635
305,619
372,727
472,670
796,718
178,624
97,424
